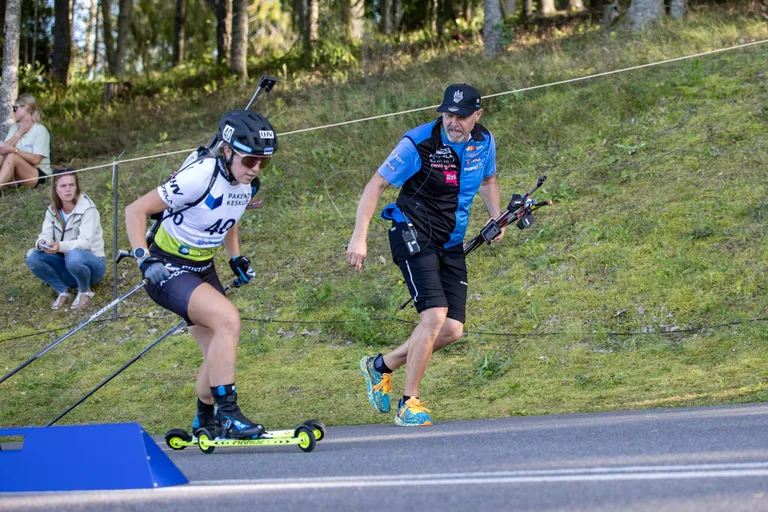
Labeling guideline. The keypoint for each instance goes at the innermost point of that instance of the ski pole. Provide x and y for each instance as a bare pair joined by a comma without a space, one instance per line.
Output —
518,208
73,331
236,283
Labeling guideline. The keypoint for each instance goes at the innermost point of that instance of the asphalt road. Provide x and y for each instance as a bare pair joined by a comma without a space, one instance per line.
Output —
693,459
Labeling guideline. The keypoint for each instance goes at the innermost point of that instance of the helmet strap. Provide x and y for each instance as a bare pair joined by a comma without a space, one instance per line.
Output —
225,166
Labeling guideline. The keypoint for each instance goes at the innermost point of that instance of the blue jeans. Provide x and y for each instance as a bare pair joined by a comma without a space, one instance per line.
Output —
81,269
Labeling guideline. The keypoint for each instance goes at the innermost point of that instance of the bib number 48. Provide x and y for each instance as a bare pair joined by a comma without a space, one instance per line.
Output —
219,228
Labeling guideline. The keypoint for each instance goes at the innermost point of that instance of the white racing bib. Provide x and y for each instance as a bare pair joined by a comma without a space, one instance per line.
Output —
196,232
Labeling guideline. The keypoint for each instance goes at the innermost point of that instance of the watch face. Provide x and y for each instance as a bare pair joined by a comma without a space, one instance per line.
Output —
139,253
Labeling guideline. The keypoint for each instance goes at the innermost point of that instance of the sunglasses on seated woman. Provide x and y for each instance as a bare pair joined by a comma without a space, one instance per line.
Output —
250,161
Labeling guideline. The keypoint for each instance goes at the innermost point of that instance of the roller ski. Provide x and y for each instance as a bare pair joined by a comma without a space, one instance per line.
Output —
208,437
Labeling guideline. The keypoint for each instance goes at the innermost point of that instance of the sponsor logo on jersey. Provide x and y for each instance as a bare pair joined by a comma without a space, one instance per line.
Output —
473,168
227,133
450,178
214,202
175,188
184,249
266,134
474,148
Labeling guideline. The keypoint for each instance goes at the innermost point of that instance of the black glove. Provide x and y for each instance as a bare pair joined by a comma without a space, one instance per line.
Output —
153,269
241,266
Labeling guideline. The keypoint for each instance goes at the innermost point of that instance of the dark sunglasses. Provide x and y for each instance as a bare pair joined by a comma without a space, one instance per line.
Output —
250,161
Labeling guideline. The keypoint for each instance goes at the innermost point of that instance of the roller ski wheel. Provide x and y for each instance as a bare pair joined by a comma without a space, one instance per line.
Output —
317,427
178,439
205,441
306,438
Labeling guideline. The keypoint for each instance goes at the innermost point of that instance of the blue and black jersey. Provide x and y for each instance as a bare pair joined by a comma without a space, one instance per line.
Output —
438,180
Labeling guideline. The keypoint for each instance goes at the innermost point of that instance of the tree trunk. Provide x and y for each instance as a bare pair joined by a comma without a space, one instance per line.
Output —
239,39
677,8
109,39
178,32
34,33
548,7
355,20
10,88
224,30
509,8
642,12
432,16
89,33
398,15
62,42
575,5
123,19
386,16
527,10
492,27
222,9
314,18
96,40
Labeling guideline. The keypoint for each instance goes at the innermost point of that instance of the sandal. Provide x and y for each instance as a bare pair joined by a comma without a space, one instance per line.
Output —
82,299
61,300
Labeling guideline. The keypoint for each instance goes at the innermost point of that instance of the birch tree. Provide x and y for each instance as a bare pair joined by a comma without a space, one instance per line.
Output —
492,27
10,88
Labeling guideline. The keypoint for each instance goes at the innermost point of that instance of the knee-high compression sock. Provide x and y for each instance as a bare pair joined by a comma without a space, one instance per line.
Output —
203,407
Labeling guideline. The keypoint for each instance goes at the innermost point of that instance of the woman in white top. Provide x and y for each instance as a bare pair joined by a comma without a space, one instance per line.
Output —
69,251
26,152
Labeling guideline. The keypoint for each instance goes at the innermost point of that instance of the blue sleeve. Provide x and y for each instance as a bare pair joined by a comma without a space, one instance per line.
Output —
490,163
401,164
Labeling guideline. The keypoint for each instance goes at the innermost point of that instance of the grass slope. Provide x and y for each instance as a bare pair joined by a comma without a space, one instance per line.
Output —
658,226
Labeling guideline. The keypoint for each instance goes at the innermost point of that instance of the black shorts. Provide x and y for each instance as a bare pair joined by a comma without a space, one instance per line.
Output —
41,177
186,275
436,277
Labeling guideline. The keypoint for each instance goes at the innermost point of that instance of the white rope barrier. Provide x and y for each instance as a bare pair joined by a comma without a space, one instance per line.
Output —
432,107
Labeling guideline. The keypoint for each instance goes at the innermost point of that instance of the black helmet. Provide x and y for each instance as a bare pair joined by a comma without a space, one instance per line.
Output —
247,132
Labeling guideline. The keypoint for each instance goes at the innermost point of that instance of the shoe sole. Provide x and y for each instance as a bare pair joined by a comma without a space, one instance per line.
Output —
369,386
401,423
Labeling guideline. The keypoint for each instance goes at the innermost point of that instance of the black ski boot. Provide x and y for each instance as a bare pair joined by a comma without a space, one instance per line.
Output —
234,424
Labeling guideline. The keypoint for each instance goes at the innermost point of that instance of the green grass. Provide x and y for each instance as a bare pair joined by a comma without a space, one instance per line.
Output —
658,225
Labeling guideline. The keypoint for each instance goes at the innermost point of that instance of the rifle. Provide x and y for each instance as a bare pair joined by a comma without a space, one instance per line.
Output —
519,209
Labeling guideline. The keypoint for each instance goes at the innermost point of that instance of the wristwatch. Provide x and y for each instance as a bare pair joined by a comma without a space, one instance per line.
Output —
139,253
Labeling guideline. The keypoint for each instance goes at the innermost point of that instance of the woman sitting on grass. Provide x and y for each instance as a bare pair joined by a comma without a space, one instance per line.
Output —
69,252
25,154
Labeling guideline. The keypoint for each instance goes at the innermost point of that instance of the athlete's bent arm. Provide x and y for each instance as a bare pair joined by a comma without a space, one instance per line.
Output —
136,215
489,191
232,242
358,247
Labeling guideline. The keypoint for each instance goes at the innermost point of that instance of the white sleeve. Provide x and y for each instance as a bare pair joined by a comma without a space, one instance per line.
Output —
188,185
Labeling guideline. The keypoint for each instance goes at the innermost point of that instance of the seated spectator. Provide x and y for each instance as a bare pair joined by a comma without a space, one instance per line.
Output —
26,152
69,252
